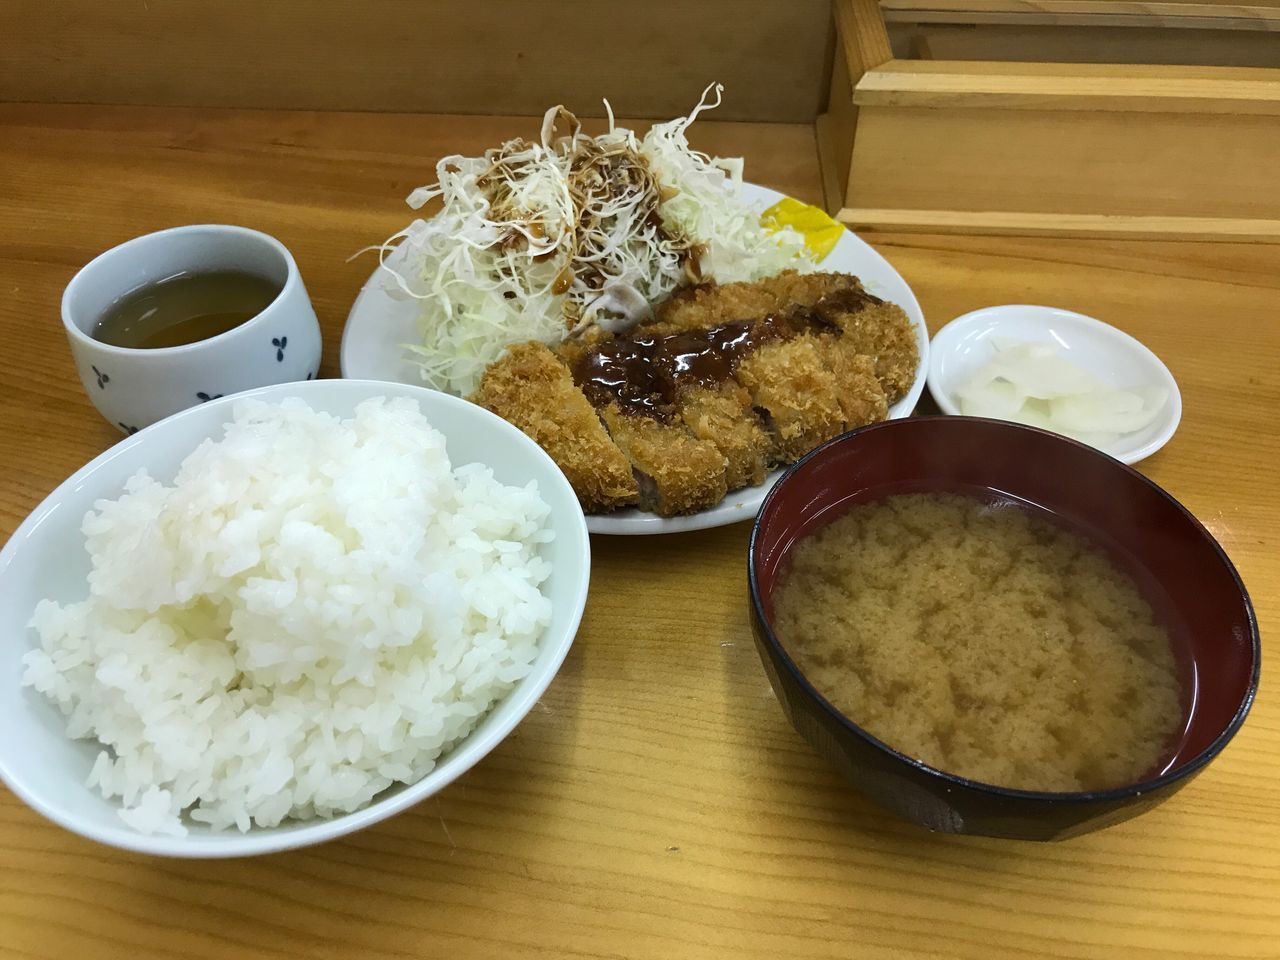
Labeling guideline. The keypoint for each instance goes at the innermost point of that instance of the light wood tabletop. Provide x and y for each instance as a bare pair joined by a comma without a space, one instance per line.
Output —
656,803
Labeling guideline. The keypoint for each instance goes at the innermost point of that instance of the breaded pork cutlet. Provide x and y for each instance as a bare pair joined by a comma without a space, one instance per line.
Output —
724,416
805,395
530,388
879,330
837,301
677,471
796,391
725,382
862,398
695,374
711,304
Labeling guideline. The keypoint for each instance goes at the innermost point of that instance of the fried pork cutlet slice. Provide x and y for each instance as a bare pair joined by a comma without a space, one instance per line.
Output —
797,393
711,304
677,472
861,396
723,415
698,377
882,331
837,300
531,389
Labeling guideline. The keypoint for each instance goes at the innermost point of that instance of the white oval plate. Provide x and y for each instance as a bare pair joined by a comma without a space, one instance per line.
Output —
379,324
1111,355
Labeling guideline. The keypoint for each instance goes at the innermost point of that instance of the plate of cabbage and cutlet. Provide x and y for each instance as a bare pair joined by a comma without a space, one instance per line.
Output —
670,334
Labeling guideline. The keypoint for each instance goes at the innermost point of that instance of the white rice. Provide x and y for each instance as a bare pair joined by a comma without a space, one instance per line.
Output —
315,610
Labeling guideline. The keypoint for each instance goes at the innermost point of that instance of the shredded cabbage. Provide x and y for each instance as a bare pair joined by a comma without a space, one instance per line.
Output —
707,204
541,241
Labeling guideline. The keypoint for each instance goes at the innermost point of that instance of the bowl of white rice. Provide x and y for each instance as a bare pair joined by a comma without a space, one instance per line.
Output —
282,616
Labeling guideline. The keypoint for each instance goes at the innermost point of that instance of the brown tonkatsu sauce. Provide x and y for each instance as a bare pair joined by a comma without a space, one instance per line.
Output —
643,374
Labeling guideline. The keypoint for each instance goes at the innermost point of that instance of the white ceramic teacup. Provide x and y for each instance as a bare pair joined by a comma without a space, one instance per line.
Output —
134,388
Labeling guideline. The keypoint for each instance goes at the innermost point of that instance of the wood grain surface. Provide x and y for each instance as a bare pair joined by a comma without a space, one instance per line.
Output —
450,56
1210,172
1031,224
656,804
1123,88
861,33
1195,14
1087,43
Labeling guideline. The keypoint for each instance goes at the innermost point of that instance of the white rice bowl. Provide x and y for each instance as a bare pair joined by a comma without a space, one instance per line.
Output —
314,610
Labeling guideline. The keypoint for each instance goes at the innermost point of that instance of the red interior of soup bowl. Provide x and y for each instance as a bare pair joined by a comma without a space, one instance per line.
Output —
1186,575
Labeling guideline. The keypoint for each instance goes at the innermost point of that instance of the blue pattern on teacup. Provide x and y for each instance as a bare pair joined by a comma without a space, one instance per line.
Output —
279,343
206,397
103,379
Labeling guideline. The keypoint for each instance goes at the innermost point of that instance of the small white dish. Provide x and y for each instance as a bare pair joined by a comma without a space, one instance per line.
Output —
963,346
133,388
46,558
380,323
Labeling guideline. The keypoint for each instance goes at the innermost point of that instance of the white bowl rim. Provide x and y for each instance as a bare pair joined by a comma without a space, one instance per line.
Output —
271,840
941,345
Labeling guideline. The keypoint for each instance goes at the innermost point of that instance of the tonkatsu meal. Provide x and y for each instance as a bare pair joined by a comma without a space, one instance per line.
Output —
619,300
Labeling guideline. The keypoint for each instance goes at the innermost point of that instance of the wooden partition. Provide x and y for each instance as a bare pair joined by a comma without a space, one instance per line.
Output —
512,57
1061,148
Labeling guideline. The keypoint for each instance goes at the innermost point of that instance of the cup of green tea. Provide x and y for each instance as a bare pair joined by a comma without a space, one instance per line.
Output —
182,316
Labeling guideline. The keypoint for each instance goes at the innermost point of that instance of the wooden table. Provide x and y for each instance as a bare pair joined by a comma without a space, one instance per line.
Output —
656,803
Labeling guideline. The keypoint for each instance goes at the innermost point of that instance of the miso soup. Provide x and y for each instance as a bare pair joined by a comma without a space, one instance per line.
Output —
984,640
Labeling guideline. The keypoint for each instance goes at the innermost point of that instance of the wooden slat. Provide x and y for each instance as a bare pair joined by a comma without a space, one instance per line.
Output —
446,56
1227,25
863,36
1052,86
1195,14
835,131
1042,224
862,45
834,171
1069,43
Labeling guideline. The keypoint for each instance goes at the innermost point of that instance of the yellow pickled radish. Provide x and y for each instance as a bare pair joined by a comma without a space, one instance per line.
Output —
820,232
